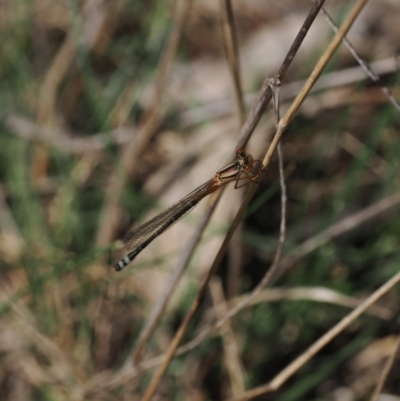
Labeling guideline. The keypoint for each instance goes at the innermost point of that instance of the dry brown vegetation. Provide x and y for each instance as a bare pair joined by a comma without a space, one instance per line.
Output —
112,111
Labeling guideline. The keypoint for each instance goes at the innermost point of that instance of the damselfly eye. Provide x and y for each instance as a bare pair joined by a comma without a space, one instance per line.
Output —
240,154
243,157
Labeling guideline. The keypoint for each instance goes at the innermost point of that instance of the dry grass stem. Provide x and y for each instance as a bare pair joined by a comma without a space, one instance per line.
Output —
28,130
317,71
265,93
364,65
235,255
291,369
343,226
385,371
231,348
232,55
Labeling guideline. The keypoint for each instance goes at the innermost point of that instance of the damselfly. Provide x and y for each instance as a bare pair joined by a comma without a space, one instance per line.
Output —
137,239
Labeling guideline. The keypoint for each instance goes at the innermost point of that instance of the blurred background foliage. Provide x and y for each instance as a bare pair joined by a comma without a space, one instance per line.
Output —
81,81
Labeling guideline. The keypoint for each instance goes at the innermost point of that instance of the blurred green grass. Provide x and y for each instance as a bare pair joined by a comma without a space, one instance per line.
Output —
79,307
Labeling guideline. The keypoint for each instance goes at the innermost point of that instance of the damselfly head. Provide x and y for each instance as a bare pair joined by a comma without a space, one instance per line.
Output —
245,159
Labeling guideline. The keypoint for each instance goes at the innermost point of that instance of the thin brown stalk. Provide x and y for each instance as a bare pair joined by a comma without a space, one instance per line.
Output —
290,370
162,302
268,275
264,97
314,76
341,227
235,262
235,254
182,329
385,371
352,145
232,55
11,240
316,294
52,79
75,146
96,12
231,349
247,300
364,65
